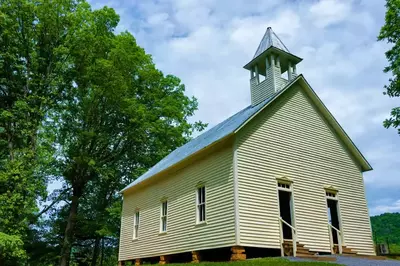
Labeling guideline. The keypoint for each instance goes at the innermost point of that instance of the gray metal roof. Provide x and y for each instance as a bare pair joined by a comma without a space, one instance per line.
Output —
207,138
270,39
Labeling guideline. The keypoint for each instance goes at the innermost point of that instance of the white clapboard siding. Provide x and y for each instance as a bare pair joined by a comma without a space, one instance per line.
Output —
183,235
263,90
290,138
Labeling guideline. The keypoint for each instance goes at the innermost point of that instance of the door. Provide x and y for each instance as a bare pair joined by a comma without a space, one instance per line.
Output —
333,217
285,209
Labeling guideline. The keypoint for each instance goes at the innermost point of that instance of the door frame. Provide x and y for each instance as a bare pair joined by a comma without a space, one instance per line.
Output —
289,188
335,192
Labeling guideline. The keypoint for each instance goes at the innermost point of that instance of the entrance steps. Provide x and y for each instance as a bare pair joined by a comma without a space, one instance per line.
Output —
348,252
303,252
345,250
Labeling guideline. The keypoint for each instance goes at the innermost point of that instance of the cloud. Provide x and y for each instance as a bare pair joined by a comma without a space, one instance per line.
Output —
383,208
329,12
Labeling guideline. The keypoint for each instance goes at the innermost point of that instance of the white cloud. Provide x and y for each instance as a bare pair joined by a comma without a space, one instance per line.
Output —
383,208
328,12
157,19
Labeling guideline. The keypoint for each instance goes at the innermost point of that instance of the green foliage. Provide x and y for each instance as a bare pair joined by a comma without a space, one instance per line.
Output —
84,105
32,60
119,117
386,229
391,33
11,248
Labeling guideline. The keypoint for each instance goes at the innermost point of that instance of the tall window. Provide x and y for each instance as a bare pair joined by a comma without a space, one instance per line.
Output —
164,213
201,204
136,220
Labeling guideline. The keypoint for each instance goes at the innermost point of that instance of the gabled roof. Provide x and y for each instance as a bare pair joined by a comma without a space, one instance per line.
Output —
234,123
270,39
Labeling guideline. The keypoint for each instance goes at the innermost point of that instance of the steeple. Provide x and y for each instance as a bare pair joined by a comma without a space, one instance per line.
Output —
270,61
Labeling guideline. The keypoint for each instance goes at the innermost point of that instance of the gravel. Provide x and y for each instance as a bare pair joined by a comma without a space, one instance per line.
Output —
351,261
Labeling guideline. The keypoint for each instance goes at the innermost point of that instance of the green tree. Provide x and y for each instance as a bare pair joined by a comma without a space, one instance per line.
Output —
79,103
391,33
32,60
386,229
119,116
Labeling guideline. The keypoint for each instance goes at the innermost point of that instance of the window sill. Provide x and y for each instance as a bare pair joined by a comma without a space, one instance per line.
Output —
201,224
162,233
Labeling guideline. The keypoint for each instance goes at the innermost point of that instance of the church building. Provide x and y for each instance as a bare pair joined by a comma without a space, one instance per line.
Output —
280,177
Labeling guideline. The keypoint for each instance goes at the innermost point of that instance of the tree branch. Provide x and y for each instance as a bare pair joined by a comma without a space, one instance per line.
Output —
58,199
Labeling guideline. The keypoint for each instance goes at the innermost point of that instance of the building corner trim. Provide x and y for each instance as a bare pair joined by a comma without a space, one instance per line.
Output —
236,193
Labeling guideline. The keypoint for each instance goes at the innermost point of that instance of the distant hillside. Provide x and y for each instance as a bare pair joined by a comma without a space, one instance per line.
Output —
386,227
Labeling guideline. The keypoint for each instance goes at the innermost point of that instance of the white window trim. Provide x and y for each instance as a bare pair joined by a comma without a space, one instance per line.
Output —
163,217
198,205
331,195
136,224
288,186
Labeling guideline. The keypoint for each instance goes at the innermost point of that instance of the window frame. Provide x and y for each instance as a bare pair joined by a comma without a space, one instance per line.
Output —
284,186
201,207
332,195
136,225
164,216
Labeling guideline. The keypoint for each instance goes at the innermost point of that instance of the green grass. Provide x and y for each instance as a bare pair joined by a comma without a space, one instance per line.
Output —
261,262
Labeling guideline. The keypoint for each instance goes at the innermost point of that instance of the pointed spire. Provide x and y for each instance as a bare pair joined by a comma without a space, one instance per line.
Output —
270,39
270,61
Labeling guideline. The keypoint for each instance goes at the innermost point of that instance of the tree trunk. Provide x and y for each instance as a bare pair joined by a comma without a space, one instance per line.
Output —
102,252
96,251
69,230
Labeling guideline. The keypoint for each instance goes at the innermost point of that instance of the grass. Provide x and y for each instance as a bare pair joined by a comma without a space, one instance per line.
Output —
262,262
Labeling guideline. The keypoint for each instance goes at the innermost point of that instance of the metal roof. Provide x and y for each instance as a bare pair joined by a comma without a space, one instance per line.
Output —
270,39
200,142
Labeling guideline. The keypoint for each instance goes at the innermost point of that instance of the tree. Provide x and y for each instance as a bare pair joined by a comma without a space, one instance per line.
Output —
84,105
32,60
391,33
119,114
386,229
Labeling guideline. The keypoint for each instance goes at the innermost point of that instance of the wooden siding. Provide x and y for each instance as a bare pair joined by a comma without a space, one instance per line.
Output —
280,82
183,235
263,90
291,139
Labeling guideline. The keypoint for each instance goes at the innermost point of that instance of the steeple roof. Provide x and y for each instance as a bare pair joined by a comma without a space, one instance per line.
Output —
270,39
271,44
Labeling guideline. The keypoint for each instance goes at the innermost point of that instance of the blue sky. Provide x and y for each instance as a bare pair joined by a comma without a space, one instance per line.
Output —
206,43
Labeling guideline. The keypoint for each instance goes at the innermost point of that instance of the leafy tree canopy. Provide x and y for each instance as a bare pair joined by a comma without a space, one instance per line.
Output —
84,105
386,229
390,32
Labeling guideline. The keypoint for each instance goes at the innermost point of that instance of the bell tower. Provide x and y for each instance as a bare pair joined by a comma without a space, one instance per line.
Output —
271,60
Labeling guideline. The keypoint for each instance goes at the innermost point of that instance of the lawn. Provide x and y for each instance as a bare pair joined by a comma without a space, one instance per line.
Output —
262,262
